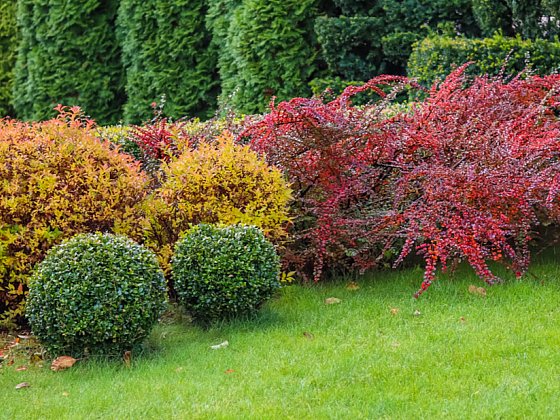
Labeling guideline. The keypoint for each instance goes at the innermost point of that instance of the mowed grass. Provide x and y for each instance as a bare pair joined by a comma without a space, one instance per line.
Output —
502,362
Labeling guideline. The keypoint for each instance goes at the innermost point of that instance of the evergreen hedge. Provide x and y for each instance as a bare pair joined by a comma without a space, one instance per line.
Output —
435,57
167,50
8,44
267,48
69,55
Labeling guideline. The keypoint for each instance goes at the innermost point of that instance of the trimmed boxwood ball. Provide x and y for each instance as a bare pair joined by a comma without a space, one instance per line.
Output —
102,292
221,271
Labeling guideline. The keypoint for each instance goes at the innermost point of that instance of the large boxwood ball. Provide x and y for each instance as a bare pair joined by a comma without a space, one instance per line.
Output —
221,271
99,292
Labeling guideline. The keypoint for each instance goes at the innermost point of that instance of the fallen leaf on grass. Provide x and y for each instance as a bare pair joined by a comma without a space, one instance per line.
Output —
352,286
463,319
308,335
179,369
394,311
63,362
330,301
396,344
219,346
416,313
229,371
127,356
21,368
65,394
22,385
477,290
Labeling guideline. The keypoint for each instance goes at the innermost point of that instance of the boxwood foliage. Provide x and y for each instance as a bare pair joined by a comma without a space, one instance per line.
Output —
436,56
221,271
100,292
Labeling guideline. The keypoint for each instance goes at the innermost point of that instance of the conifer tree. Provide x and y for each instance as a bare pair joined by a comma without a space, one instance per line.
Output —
167,50
8,45
267,48
69,55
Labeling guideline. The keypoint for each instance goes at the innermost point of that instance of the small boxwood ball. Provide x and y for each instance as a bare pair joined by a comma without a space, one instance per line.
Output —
99,292
221,271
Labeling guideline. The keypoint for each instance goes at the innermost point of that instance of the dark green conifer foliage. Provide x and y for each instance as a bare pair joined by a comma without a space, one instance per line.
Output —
267,48
8,45
531,19
369,38
69,55
167,50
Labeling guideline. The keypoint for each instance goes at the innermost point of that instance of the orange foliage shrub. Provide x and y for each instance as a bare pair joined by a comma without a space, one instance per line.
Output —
57,180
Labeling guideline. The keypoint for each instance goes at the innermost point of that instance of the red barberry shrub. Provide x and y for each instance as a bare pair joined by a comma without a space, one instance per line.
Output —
464,175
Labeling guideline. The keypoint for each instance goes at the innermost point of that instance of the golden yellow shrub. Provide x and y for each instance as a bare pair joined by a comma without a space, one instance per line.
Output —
219,182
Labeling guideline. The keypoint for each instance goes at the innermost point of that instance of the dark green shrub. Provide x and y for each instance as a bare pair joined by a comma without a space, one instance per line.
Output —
367,39
69,55
167,50
435,57
97,291
532,19
8,45
221,271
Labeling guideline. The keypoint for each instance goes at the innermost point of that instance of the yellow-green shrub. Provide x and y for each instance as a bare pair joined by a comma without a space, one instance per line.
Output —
57,180
219,182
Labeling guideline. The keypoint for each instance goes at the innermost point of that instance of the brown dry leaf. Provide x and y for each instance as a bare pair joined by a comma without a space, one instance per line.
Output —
352,286
63,362
330,301
22,385
394,311
472,289
308,335
127,355
481,291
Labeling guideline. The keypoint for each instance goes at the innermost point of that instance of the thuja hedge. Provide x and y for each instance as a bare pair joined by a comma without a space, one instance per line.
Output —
68,55
436,56
8,45
168,50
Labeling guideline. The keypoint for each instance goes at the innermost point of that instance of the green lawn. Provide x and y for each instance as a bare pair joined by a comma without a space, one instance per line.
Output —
502,362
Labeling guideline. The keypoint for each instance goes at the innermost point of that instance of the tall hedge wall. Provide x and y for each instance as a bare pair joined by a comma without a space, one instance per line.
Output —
8,45
435,56
167,50
69,54
267,48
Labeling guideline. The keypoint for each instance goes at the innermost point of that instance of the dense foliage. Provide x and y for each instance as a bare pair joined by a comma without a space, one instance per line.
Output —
219,182
435,57
8,45
367,39
221,271
167,50
69,54
267,48
464,175
532,19
99,292
58,180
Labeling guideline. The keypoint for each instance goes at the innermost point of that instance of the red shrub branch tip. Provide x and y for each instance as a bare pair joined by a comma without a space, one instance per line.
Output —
465,175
